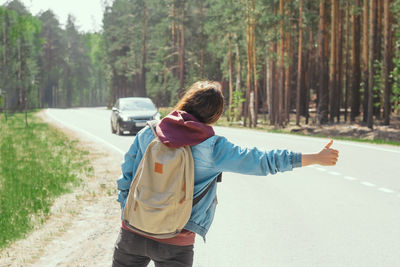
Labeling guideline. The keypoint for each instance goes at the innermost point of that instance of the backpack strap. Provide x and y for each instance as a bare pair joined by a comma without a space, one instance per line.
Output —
219,178
153,124
199,197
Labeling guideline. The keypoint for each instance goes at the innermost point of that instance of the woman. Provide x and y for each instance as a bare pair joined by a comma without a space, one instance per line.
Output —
191,124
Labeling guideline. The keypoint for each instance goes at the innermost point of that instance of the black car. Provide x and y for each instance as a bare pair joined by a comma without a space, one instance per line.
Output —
130,114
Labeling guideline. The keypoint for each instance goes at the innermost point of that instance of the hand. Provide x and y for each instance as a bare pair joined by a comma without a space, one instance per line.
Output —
327,156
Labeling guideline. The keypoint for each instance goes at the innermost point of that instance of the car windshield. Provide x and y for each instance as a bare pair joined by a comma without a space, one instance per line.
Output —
137,105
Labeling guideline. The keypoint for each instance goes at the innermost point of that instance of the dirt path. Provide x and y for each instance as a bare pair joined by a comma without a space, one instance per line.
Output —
83,225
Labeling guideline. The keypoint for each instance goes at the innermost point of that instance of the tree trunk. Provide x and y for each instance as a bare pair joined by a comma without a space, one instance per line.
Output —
355,62
20,102
142,87
274,77
4,41
272,86
202,40
365,58
386,64
173,37
347,70
378,55
254,52
248,83
299,63
281,67
3,71
339,60
238,78
310,77
287,78
392,53
182,53
68,87
267,106
372,33
249,111
323,100
333,62
230,77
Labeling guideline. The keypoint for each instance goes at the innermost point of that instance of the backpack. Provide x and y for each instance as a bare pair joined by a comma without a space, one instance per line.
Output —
160,198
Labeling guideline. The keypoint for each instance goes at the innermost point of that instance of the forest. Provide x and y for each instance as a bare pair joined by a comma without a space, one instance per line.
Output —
321,61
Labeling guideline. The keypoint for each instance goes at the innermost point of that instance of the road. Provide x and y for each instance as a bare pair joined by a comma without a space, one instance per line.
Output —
346,215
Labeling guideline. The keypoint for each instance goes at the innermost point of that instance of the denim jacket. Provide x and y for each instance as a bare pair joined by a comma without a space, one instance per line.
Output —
212,156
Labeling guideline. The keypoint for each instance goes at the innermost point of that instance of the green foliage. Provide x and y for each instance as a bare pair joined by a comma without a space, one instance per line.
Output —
138,52
395,74
19,47
43,65
76,68
37,164
98,87
237,100
122,42
161,82
378,83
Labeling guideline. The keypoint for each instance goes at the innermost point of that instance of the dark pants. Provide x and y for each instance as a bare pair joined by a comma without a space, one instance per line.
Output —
135,250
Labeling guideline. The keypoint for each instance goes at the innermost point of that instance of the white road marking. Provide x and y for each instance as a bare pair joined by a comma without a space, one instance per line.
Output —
351,178
368,184
386,190
369,147
85,132
349,143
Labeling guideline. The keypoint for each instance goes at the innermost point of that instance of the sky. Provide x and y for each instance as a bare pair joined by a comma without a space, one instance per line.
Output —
88,13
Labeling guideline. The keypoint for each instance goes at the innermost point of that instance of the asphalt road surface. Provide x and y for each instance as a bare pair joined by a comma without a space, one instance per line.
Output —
346,215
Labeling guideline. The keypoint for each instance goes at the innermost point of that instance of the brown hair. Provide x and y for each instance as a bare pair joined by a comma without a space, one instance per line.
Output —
204,100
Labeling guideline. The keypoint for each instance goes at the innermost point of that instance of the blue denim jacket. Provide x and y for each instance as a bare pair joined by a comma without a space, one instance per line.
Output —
214,155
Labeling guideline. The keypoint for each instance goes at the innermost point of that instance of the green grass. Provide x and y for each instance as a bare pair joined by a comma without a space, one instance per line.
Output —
37,164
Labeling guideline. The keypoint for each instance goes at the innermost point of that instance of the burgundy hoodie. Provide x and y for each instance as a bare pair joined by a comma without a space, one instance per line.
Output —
180,128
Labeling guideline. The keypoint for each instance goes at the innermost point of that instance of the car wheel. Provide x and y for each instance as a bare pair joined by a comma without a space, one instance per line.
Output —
119,130
112,129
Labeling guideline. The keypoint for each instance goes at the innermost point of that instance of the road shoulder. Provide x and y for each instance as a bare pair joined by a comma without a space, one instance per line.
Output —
83,225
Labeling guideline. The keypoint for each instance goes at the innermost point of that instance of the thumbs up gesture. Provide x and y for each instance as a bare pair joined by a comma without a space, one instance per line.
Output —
327,156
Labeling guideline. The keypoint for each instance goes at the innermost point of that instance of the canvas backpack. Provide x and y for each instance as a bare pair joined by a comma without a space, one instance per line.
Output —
160,197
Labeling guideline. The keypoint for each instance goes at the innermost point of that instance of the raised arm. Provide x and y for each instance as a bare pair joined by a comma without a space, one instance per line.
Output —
253,161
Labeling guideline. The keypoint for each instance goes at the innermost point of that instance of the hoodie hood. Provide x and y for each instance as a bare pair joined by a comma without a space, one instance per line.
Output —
180,128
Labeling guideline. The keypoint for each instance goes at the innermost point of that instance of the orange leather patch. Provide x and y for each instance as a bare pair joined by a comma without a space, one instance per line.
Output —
158,167
184,187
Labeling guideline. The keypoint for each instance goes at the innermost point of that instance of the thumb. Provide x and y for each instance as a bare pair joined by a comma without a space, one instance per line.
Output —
329,144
